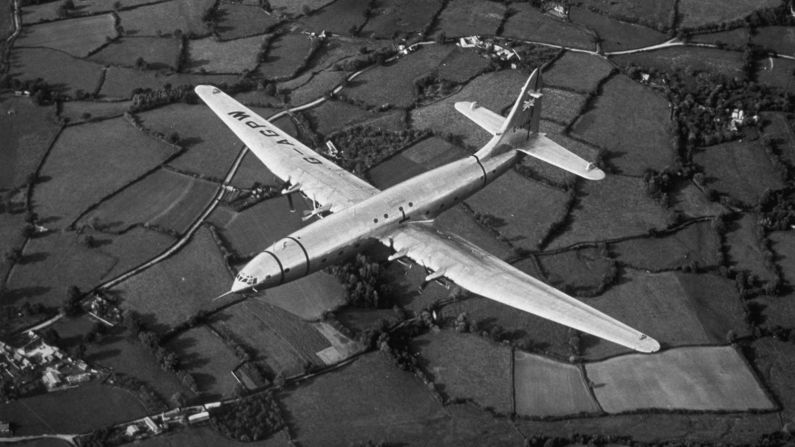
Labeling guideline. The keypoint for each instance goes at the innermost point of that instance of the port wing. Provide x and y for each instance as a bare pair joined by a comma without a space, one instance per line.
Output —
315,176
484,274
483,117
547,150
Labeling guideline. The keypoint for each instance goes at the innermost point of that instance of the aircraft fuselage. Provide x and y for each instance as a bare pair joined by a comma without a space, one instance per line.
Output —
332,239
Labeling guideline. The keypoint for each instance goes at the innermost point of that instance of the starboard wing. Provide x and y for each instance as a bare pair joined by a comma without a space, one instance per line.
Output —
317,177
484,274
483,117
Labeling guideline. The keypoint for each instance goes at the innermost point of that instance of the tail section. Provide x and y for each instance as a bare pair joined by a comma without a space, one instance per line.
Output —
520,132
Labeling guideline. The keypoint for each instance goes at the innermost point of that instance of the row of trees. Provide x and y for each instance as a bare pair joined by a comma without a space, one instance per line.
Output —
364,282
363,147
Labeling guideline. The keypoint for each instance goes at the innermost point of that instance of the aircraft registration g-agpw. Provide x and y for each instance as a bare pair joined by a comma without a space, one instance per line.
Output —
401,217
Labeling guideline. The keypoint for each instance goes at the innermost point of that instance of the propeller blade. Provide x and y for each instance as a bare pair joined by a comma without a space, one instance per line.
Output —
290,202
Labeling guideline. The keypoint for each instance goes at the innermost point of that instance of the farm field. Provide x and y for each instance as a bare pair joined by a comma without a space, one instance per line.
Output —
211,147
774,361
286,55
293,8
240,20
252,170
52,263
631,123
208,359
494,90
332,116
82,111
697,244
529,23
176,288
45,12
424,155
397,406
780,39
705,308
744,249
779,75
394,84
121,81
284,342
310,86
166,17
616,35
732,39
470,18
164,198
691,59
467,366
395,17
205,436
505,202
230,56
780,311
123,151
779,128
340,17
28,132
593,216
93,32
653,14
125,354
692,378
131,249
65,73
309,297
158,52
697,13
546,387
577,71
100,405
251,231
578,272
691,202
562,106
461,65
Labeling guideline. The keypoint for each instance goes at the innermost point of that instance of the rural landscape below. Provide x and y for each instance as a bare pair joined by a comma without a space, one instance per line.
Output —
127,206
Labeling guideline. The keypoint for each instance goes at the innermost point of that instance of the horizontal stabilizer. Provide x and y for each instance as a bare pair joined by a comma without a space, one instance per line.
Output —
482,116
547,150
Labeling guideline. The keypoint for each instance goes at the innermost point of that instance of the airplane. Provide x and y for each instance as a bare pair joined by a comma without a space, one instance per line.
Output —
352,213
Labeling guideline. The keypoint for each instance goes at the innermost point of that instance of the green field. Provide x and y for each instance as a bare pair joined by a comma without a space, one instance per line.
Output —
697,243
395,17
78,37
780,127
211,146
697,13
461,65
158,53
121,81
166,17
632,123
332,116
205,436
230,56
466,366
780,310
99,405
48,11
75,183
340,17
545,387
204,354
394,84
529,23
66,74
616,35
743,248
28,131
126,355
396,407
691,201
131,249
780,39
562,106
778,75
494,90
773,360
241,20
424,155
82,111
284,342
689,59
577,71
597,205
308,297
524,211
471,18
176,288
580,271
693,378
286,55
704,307
297,7
654,14
163,198
311,86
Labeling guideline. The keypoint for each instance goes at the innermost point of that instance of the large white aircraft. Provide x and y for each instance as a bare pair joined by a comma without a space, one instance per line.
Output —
401,217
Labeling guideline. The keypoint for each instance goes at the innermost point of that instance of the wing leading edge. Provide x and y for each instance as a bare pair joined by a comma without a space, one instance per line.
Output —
317,177
484,274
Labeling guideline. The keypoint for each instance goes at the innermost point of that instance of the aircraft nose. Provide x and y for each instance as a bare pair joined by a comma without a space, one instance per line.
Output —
238,285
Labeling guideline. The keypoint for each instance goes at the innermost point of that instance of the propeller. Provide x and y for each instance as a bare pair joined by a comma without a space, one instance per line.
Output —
287,190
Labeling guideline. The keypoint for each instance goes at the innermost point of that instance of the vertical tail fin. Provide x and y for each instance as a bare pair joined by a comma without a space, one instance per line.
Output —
526,111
